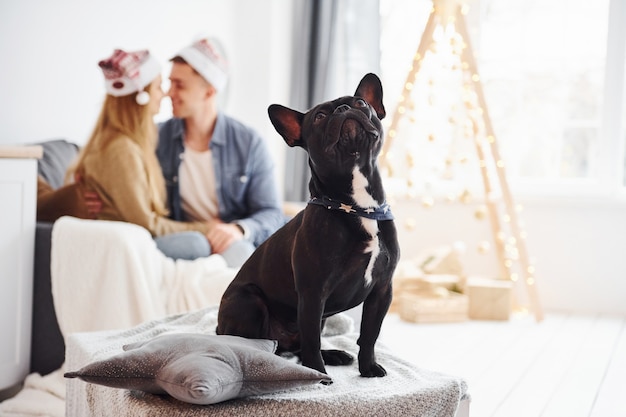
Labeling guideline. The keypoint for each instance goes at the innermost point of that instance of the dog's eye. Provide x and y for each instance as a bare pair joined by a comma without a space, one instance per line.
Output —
319,116
360,103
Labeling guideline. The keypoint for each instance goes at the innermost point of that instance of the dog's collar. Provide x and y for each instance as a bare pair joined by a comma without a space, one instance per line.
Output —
382,212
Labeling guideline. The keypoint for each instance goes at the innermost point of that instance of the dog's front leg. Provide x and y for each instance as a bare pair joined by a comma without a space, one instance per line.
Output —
375,308
310,308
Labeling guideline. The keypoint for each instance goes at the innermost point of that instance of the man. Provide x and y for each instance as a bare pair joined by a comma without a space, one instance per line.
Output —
216,169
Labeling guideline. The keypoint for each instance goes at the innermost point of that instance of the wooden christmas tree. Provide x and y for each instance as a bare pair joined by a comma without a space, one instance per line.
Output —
446,33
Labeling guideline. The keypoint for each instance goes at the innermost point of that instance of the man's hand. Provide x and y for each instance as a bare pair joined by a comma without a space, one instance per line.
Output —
222,235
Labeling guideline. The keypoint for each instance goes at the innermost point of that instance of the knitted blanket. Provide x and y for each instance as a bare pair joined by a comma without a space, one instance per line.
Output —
405,391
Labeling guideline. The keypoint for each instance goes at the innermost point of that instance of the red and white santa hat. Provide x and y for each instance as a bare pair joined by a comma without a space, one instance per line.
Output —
129,72
203,56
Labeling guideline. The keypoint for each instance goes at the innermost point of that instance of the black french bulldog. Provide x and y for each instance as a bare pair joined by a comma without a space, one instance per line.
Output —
339,252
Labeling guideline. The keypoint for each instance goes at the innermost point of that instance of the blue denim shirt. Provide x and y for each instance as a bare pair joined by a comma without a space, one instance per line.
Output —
244,175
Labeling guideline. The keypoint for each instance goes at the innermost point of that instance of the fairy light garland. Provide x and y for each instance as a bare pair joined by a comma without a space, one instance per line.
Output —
445,36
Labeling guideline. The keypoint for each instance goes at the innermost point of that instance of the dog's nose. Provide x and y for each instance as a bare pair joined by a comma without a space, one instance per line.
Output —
342,108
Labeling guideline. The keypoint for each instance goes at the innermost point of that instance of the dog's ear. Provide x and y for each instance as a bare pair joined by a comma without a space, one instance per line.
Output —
288,123
371,90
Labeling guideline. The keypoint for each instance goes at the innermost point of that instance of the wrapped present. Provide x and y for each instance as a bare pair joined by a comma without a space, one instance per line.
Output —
443,260
406,279
448,281
410,279
434,306
434,269
489,299
407,270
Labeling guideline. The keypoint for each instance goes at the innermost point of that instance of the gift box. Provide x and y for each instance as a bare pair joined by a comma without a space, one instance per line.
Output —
406,279
410,279
489,299
442,260
433,306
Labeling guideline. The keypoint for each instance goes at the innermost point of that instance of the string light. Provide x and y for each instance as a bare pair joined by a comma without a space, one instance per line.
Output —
428,202
480,212
452,123
484,246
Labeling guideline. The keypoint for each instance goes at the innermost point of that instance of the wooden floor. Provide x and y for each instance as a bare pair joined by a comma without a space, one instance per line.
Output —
567,365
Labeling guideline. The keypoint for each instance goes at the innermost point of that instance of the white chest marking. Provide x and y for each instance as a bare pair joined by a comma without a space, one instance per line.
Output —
364,199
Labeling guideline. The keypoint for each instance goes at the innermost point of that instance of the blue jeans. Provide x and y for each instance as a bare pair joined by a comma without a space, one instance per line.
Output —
193,245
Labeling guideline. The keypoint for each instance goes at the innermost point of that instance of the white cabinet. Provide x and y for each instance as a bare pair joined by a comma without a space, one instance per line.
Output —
18,189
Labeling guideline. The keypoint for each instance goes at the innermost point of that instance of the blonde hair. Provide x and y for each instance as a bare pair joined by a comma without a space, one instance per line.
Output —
123,117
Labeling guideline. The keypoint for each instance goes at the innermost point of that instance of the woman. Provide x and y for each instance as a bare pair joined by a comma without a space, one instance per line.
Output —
119,162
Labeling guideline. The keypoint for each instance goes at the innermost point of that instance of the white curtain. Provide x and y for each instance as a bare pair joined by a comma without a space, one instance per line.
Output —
336,42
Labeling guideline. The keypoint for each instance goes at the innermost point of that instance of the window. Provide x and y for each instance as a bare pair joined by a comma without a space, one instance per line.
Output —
553,76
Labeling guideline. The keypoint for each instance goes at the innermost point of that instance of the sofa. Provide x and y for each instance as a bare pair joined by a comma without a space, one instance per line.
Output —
47,351
47,343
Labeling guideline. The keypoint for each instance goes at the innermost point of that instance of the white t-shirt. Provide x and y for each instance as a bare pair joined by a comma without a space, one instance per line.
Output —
197,186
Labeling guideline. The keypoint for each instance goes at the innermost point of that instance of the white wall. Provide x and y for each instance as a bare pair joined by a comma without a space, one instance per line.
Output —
52,87
577,246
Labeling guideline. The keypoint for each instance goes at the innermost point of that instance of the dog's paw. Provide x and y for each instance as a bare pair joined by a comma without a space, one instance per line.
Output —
373,371
337,357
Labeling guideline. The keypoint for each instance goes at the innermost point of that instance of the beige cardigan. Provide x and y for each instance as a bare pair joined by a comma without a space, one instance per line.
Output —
118,175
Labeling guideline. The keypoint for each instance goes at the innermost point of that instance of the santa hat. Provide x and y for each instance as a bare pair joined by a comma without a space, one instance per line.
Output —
203,56
129,72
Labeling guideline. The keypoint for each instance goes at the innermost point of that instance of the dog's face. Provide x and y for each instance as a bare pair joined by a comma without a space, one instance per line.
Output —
338,134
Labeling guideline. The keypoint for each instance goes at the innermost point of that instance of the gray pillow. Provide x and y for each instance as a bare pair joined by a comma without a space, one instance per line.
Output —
57,156
200,369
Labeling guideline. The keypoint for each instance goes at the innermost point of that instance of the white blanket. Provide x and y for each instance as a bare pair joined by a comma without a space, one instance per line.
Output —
110,275
41,397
